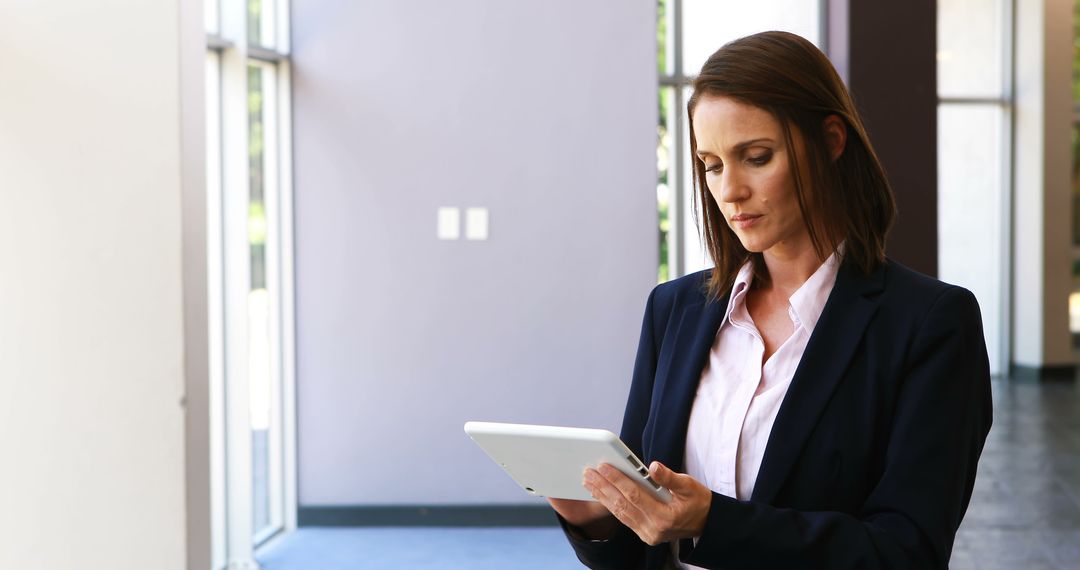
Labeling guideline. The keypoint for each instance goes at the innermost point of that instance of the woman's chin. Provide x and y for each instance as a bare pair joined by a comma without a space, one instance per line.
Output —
753,245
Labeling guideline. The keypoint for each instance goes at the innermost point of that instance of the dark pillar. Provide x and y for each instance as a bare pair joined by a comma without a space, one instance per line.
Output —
885,51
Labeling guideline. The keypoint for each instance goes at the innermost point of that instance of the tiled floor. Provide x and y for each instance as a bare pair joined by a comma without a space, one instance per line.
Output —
421,549
1025,512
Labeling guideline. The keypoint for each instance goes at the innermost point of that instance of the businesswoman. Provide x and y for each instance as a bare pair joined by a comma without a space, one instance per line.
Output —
808,402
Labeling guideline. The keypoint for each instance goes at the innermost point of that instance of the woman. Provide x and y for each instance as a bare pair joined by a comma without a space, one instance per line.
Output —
808,402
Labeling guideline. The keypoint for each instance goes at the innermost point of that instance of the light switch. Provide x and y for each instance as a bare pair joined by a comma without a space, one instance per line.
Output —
449,224
476,223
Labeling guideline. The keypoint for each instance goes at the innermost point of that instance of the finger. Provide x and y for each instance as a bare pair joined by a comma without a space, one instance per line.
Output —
675,482
638,509
601,487
630,488
659,472
663,476
613,499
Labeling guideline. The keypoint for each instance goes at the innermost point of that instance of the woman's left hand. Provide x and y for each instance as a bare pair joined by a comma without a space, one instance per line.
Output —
653,520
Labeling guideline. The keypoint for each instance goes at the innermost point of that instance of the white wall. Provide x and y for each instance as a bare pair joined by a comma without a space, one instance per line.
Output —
543,111
91,332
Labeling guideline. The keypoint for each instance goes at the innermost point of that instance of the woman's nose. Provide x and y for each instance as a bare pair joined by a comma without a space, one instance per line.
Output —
732,188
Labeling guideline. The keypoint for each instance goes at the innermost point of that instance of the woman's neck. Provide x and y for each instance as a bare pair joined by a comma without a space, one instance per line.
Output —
790,267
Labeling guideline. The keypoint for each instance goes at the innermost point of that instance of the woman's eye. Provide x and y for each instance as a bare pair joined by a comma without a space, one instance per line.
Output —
761,159
714,167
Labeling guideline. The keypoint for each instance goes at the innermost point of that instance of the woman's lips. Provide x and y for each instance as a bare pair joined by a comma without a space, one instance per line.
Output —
745,221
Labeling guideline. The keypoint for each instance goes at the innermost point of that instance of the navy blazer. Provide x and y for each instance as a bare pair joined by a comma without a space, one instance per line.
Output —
872,457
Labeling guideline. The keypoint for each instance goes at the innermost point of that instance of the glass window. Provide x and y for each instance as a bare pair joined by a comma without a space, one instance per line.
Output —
247,146
258,302
261,22
705,25
211,16
972,207
695,255
663,178
974,154
665,99
970,53
709,24
263,327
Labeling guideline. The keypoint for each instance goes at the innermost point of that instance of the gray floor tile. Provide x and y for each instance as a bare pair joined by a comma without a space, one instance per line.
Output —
1025,508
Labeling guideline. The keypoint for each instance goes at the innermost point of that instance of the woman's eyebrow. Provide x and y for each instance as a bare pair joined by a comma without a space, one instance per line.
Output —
738,147
749,143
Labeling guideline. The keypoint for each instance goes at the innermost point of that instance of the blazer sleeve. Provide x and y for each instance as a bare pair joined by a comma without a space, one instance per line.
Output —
909,520
625,551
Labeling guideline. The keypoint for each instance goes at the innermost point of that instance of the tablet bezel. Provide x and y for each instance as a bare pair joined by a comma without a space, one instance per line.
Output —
549,461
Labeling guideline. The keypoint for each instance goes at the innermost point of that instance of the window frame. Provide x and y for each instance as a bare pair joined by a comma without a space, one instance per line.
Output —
229,54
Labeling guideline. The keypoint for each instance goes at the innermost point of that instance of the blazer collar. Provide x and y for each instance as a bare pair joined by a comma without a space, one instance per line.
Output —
851,304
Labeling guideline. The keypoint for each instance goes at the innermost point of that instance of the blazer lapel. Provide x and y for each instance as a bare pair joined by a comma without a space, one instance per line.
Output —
694,339
846,314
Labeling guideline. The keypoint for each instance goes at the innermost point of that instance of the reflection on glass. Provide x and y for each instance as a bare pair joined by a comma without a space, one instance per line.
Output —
970,50
709,24
259,376
971,214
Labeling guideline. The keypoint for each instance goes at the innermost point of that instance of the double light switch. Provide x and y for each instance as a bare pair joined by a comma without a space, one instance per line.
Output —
449,223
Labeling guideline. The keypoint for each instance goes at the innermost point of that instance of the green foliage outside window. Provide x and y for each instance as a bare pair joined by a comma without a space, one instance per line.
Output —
1076,51
256,203
254,22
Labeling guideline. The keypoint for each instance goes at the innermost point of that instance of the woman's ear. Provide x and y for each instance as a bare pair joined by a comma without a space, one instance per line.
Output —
835,135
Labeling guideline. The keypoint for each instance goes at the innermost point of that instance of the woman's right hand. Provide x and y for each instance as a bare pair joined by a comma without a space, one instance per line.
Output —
591,519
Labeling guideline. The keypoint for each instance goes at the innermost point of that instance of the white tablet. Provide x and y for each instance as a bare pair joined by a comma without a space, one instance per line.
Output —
549,461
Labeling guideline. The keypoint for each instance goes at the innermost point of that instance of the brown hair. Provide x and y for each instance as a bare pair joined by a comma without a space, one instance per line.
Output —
791,79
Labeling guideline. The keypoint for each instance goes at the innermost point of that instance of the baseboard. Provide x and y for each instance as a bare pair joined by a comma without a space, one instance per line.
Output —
1056,373
419,515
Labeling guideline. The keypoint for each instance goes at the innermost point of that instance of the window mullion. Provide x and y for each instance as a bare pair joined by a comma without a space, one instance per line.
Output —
237,282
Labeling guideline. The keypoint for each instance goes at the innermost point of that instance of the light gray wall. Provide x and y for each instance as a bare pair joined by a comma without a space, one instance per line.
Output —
545,113
92,332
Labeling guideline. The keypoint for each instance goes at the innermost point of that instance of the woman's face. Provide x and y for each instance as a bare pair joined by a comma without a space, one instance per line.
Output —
748,172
